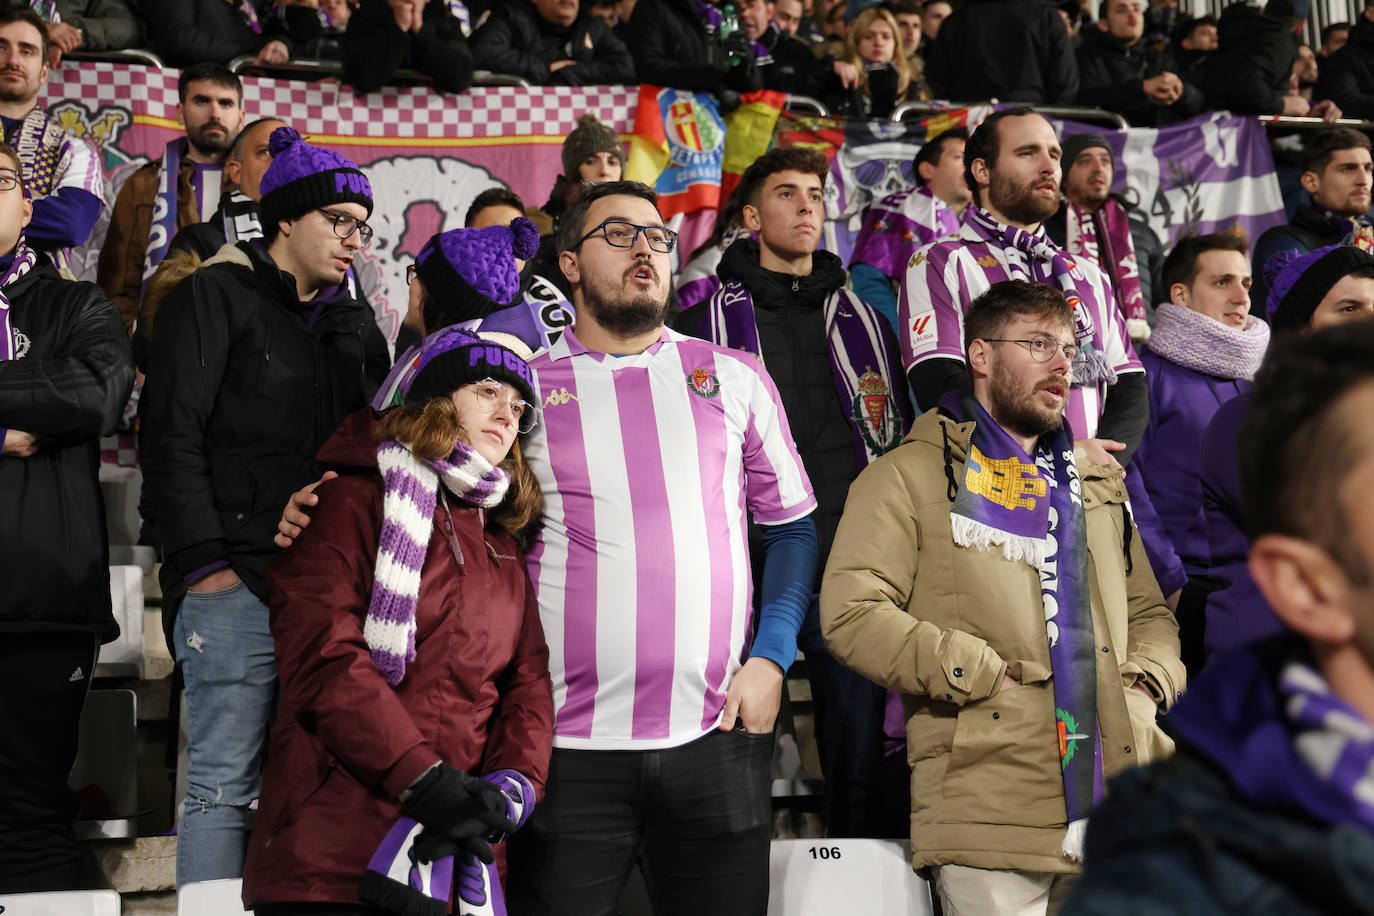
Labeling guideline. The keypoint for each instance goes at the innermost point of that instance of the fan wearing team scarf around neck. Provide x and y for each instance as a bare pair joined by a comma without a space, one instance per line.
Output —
410,642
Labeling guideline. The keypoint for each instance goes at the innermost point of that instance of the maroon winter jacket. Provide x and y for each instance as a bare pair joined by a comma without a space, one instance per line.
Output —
345,743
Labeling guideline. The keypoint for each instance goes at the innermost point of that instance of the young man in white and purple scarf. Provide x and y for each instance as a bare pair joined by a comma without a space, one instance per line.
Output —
1205,349
1094,224
1266,807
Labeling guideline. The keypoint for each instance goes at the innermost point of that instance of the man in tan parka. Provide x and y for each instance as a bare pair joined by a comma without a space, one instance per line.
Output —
1004,591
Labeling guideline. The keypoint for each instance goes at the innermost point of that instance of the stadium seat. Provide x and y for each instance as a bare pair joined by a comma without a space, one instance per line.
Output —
106,770
61,903
822,877
124,657
222,897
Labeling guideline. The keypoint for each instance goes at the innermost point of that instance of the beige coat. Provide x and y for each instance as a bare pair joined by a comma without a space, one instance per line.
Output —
906,607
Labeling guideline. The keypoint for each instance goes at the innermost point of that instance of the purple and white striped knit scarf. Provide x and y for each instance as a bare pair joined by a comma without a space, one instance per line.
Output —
412,490
1333,739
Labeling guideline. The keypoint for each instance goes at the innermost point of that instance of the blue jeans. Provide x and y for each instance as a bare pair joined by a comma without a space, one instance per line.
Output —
224,645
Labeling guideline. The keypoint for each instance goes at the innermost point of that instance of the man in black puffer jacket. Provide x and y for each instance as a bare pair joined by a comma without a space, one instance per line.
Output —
254,360
65,375
673,45
1249,72
550,44
834,360
1349,76
1122,72
1012,50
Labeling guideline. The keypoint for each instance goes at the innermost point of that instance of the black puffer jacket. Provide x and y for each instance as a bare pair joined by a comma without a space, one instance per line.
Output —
1012,50
790,315
186,32
1349,77
374,48
518,41
1112,76
242,391
67,385
1249,72
672,47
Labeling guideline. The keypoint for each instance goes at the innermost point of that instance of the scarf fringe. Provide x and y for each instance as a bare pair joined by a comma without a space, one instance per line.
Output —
978,536
1138,329
1074,839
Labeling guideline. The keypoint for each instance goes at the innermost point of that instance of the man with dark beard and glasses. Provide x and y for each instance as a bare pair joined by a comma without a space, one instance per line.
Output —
651,447
62,174
178,190
1000,585
1012,164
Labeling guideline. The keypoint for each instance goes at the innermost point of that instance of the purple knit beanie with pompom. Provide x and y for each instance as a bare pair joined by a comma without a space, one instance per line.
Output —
470,273
302,178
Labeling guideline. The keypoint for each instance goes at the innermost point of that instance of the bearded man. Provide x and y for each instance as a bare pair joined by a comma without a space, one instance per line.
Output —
1012,165
1000,585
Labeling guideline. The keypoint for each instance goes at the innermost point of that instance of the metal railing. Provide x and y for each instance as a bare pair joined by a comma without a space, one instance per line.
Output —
806,105
1109,119
1303,122
312,68
121,56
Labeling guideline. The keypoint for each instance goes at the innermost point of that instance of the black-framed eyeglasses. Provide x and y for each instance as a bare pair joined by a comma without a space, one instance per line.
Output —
9,179
410,273
1041,347
345,225
491,399
621,234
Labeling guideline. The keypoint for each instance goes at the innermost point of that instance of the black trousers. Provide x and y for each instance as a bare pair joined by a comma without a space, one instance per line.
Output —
43,679
697,819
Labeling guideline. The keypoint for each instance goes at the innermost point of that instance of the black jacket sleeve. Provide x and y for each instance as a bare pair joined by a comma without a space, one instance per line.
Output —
374,48
1100,85
608,63
1126,414
650,34
930,379
79,392
502,46
186,363
187,32
1343,83
1061,68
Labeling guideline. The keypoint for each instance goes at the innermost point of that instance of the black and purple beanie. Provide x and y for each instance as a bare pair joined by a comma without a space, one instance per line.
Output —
453,357
1299,281
470,273
302,178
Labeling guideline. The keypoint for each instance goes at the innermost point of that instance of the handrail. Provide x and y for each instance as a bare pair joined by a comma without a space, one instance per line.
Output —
1088,115
806,103
118,56
1303,122
313,67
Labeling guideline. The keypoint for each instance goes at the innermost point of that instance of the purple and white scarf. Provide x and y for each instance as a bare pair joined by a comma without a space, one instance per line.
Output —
1195,341
1331,738
1045,263
412,491
1033,510
1104,238
872,391
164,225
23,262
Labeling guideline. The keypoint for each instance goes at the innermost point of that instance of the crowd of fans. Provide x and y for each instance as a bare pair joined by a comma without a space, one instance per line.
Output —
494,621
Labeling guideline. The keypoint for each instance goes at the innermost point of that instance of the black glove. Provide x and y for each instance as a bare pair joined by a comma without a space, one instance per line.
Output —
446,797
466,839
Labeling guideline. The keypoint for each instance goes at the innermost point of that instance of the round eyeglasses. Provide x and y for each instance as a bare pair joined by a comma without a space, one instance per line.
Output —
619,233
345,225
491,398
1041,347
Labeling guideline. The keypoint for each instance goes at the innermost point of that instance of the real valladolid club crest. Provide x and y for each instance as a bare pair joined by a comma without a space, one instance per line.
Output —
880,427
703,384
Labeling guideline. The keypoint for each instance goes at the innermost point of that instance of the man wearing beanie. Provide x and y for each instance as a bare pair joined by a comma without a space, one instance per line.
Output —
1093,224
1308,292
254,360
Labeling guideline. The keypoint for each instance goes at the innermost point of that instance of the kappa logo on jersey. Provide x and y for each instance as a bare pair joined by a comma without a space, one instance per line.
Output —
987,260
558,397
703,384
917,260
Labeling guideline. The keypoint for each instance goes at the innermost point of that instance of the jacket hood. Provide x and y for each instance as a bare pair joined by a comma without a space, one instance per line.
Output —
352,449
772,289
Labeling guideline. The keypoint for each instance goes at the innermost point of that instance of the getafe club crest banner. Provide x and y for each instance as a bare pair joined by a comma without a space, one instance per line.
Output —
677,148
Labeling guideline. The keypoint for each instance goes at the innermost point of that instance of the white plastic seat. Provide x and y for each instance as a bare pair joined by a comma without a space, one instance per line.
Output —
826,877
61,903
107,756
222,897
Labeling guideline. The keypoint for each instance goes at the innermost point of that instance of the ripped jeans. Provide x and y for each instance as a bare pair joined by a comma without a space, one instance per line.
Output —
224,645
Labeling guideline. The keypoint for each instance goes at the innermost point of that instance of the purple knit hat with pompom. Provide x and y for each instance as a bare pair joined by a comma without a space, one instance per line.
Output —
302,178
470,273
1299,281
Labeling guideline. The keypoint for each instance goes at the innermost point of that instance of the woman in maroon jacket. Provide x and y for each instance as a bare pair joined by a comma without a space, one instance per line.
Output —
416,714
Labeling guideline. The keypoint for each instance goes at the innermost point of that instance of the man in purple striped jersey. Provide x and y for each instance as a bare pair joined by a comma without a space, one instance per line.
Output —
1012,163
654,451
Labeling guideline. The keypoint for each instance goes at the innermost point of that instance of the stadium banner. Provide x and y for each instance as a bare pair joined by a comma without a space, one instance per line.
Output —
428,155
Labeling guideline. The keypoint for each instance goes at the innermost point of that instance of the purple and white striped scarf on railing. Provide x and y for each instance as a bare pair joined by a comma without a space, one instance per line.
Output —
412,490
